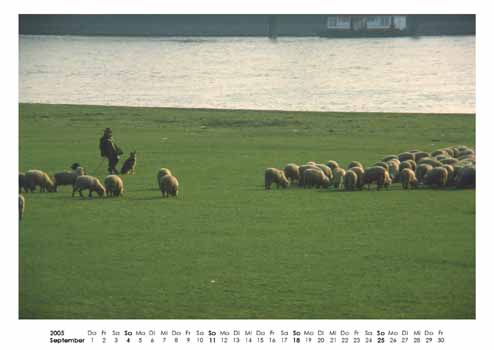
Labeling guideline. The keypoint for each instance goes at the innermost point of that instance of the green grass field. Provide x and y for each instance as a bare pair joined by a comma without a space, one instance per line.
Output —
226,248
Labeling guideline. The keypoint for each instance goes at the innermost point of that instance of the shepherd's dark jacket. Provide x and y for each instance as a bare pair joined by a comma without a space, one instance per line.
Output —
107,147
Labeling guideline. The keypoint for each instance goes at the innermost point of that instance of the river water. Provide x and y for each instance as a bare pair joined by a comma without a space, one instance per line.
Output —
429,74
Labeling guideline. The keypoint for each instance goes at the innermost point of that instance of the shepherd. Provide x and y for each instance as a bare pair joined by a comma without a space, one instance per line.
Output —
109,149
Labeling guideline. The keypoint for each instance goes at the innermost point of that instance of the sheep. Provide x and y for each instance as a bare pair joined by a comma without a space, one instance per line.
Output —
273,175
354,164
407,178
466,178
350,180
404,165
394,169
22,183
456,151
317,178
302,169
412,164
292,172
113,186
450,161
441,157
466,152
169,185
360,176
420,155
406,156
462,148
430,161
326,170
39,178
339,175
162,172
67,177
387,180
311,163
451,174
450,152
390,157
376,174
466,157
437,176
438,152
22,206
333,164
86,182
421,170
383,164
129,165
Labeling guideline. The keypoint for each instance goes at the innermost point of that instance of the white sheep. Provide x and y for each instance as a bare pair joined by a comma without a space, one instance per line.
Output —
86,182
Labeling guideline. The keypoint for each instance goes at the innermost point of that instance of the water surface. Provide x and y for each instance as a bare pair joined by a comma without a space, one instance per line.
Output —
430,74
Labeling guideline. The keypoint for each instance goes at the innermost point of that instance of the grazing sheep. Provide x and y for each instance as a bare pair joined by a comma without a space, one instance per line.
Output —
354,164
67,177
315,178
113,186
302,169
430,161
450,161
451,174
22,183
311,163
22,205
406,156
333,164
439,152
326,170
360,176
394,169
403,165
387,180
375,174
456,151
462,148
412,164
162,172
421,170
130,164
271,175
169,185
292,172
350,180
39,178
339,175
466,178
449,151
383,164
466,157
420,155
436,177
466,152
86,182
441,157
407,178
390,157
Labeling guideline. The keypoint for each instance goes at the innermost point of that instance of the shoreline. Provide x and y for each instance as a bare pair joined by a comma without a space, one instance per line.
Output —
199,109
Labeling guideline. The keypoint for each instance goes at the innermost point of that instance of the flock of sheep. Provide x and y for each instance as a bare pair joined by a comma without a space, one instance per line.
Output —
80,181
450,166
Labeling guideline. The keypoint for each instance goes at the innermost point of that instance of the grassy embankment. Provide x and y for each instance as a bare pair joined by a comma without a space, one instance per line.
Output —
226,248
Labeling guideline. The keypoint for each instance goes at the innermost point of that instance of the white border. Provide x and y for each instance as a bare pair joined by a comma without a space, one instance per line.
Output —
460,333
